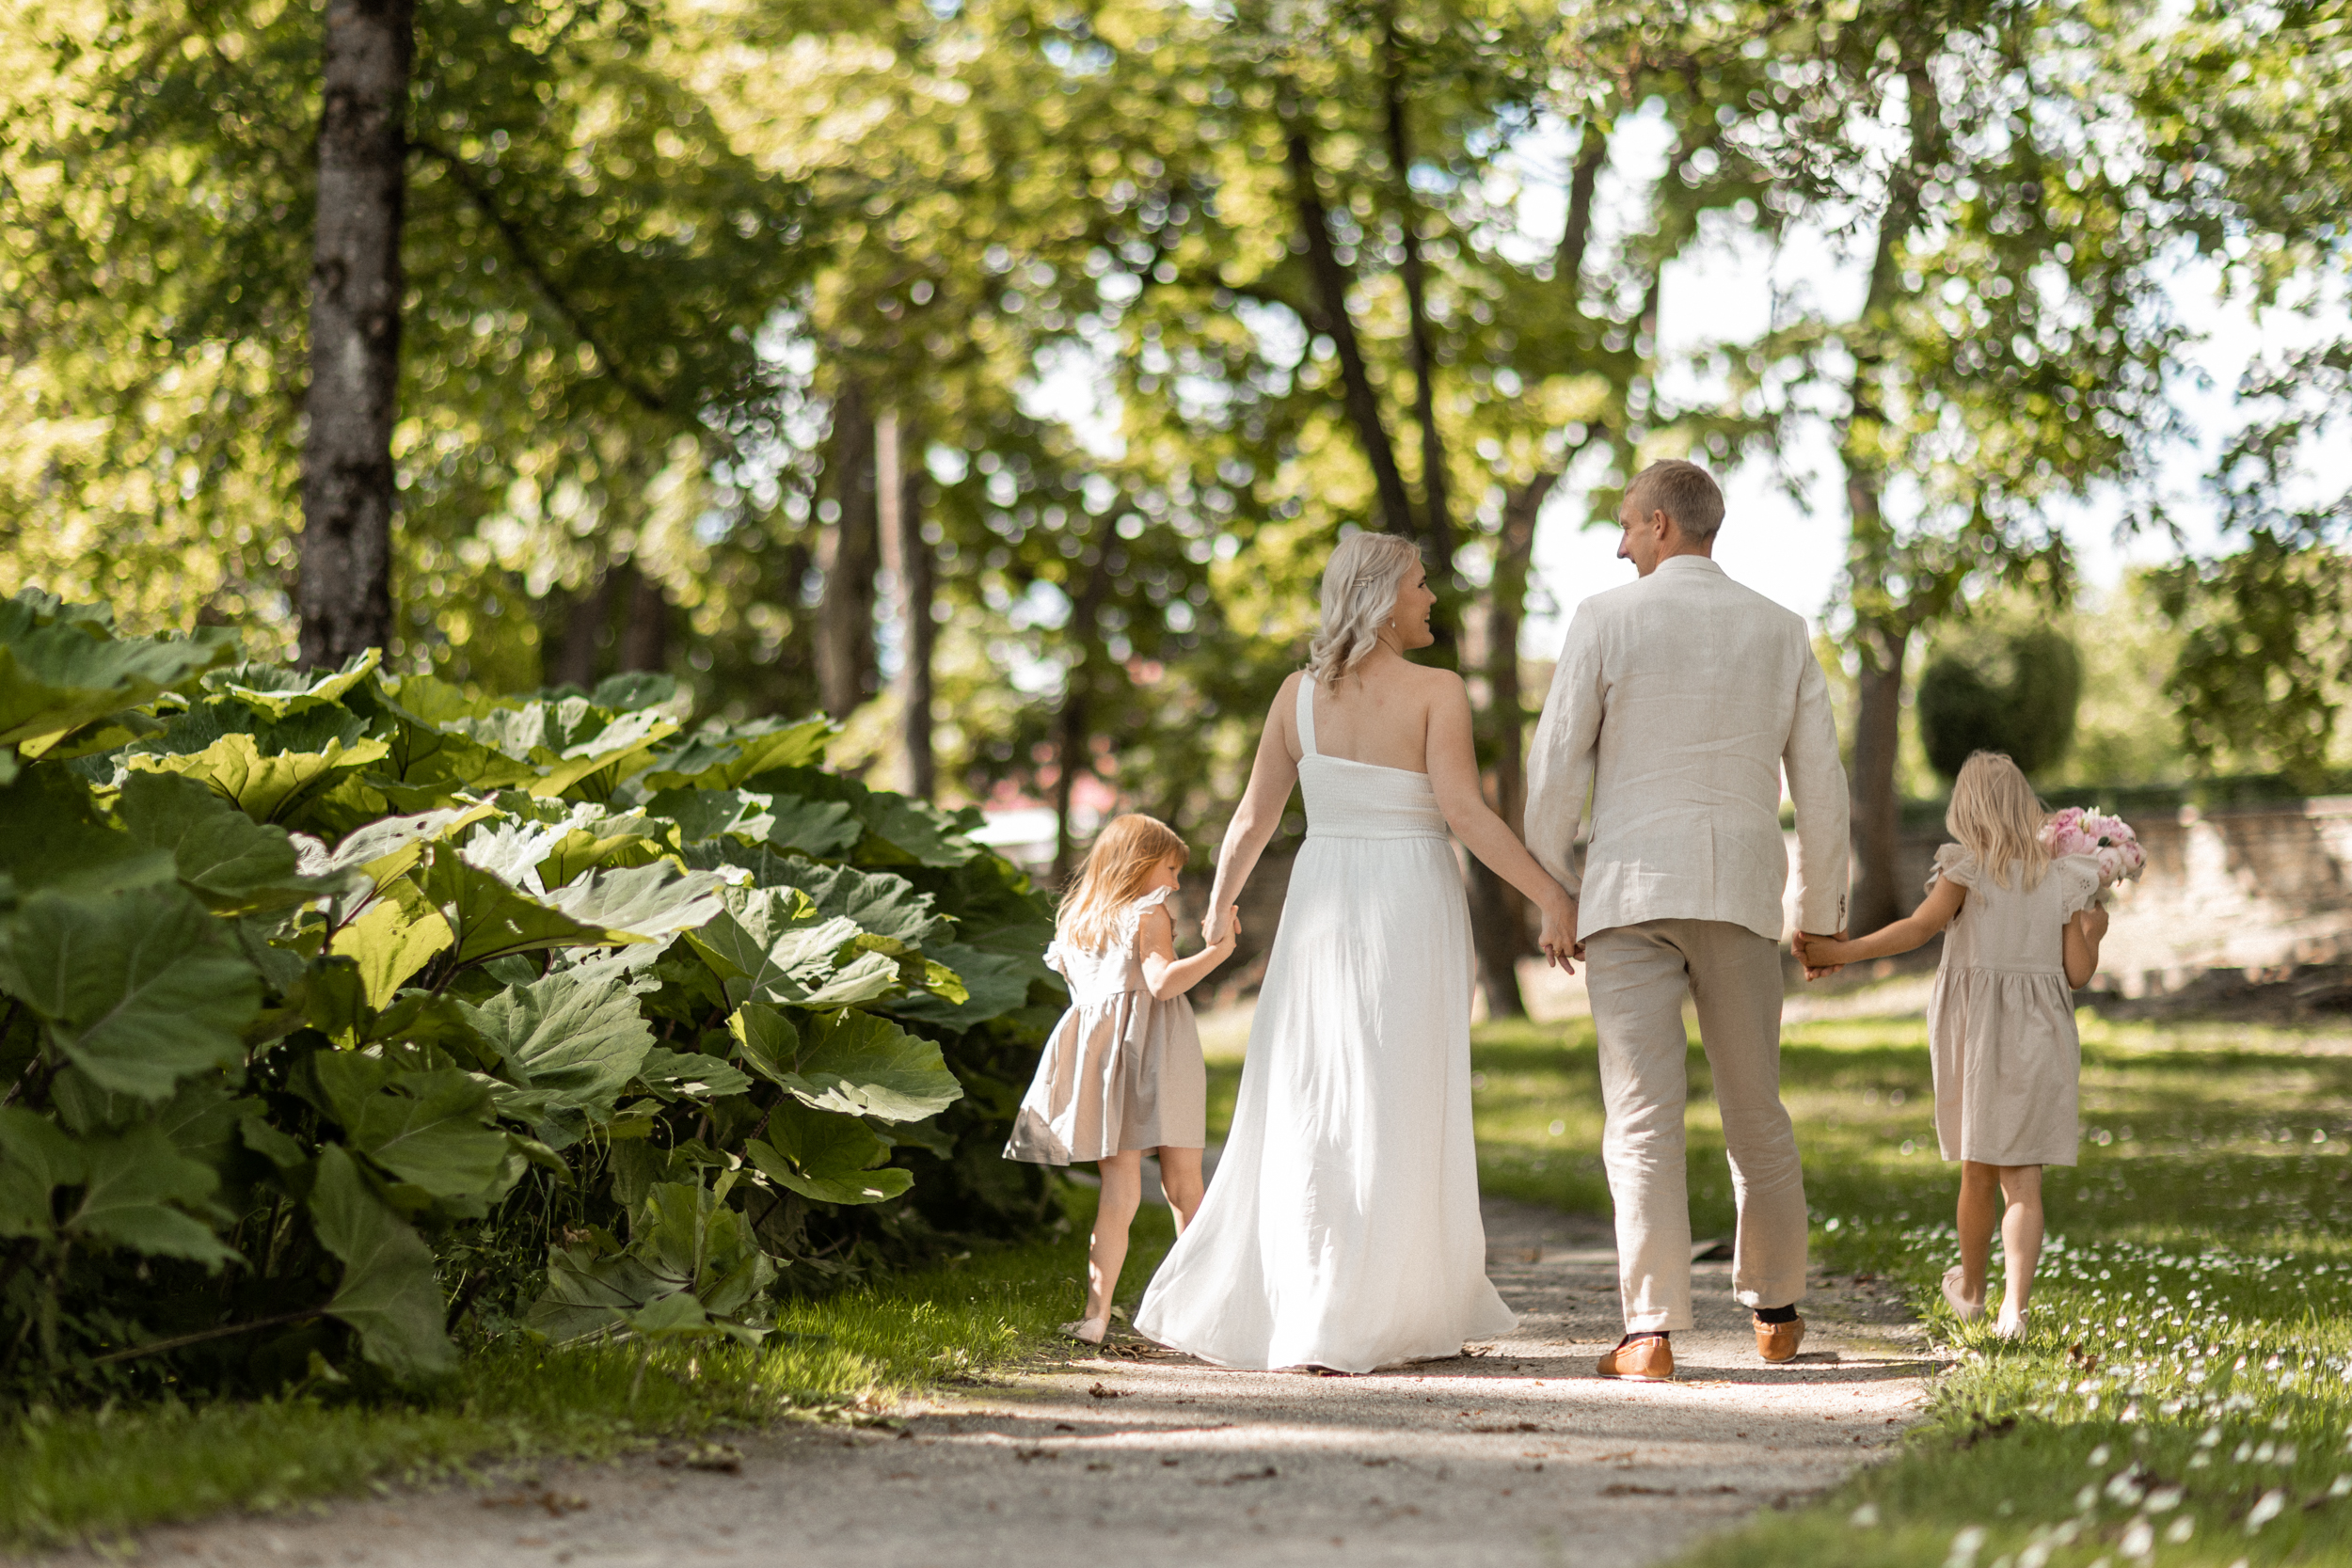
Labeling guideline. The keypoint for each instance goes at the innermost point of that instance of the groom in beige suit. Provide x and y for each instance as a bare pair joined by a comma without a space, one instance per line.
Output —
1679,701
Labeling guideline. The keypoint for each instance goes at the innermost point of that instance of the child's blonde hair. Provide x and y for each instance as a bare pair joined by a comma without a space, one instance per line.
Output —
1996,816
1117,868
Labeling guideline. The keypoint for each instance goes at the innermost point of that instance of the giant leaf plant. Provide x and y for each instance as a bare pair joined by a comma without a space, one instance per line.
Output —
341,1011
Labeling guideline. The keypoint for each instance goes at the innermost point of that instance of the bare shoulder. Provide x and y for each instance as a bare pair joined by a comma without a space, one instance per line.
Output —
1439,688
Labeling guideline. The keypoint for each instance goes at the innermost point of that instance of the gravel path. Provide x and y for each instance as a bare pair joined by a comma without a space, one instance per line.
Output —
1513,1454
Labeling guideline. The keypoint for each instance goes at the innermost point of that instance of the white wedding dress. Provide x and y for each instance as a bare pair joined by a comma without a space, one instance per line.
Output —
1342,1226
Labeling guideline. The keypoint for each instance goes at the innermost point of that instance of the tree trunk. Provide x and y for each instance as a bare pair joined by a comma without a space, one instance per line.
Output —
586,617
900,484
1437,519
1072,728
1330,283
1884,625
344,578
1878,895
1498,913
849,555
645,629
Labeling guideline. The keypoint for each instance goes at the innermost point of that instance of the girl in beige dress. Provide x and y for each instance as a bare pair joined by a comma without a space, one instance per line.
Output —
2025,933
1121,1074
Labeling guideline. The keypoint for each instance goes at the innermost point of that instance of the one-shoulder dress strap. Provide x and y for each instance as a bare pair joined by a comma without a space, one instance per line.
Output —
1307,714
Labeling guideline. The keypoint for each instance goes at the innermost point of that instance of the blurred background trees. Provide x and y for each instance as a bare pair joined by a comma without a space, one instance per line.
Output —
995,375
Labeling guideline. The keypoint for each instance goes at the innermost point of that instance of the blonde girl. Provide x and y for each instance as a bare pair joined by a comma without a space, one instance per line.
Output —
1121,1074
2025,934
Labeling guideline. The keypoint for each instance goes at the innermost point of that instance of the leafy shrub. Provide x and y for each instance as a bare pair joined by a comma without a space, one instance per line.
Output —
340,1009
2026,710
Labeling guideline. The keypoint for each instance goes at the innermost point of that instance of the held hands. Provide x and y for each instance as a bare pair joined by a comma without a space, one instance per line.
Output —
1558,938
1822,955
1221,927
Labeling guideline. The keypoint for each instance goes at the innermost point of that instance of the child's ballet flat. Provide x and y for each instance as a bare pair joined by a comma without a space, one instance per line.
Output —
1962,1308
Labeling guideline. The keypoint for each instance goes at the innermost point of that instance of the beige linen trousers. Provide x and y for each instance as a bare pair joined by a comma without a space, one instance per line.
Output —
1679,703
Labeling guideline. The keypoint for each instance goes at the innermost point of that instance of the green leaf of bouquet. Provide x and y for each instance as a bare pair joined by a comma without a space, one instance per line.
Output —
59,670
138,990
233,863
389,1293
136,1191
576,1037
862,1065
266,788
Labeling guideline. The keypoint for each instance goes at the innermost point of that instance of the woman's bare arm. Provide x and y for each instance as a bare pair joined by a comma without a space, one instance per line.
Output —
1934,912
2083,935
1272,778
1453,763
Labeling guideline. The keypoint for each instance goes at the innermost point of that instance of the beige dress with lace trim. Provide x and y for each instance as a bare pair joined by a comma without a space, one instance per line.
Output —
2001,1019
1122,1068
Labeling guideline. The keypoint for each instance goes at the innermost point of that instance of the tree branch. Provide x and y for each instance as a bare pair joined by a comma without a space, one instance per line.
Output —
1331,281
1437,521
517,245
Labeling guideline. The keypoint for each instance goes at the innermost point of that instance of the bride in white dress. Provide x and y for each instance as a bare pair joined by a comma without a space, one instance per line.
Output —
1340,1230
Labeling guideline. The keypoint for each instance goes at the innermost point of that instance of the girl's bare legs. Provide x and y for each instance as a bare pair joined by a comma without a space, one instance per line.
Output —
1180,1179
1122,1193
1979,1211
2020,1243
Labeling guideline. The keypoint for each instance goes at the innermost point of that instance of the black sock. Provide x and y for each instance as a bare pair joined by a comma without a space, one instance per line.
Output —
1776,1314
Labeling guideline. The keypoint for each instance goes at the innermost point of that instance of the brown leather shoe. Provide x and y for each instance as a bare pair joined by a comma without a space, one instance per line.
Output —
1778,1342
1649,1360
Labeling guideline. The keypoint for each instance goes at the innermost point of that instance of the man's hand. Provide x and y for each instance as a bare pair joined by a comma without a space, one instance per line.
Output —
1817,970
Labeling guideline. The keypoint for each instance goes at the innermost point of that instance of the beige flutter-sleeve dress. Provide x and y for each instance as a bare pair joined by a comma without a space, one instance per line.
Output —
1122,1068
2001,1019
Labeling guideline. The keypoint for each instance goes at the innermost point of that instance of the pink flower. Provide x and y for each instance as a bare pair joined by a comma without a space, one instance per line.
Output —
2109,840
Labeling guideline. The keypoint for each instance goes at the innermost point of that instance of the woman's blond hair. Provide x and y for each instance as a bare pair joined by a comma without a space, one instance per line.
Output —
1996,816
1359,588
1121,862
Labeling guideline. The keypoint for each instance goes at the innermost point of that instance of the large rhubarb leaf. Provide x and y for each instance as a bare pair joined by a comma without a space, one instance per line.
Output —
139,991
389,1293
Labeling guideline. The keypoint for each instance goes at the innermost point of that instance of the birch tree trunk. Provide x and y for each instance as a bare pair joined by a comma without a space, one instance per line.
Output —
343,586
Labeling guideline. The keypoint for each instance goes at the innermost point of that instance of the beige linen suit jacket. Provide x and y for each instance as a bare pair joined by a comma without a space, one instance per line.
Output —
1677,701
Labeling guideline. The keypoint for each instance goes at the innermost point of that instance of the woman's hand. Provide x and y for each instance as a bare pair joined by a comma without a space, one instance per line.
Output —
1558,937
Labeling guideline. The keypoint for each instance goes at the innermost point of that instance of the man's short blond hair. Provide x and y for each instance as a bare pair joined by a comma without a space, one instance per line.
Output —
1684,491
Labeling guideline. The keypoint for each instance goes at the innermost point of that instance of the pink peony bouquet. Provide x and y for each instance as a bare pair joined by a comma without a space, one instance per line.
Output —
2108,840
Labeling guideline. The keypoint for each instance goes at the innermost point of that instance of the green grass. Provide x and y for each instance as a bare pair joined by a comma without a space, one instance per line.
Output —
75,1475
2201,1261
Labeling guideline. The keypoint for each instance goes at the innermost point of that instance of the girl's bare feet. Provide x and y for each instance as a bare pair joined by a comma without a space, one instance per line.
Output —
1967,1312
2011,1326
1090,1330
